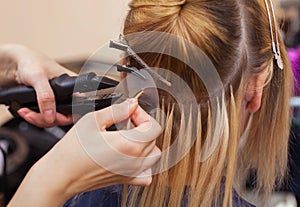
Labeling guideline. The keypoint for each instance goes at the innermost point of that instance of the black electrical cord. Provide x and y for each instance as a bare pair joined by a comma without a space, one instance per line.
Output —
3,176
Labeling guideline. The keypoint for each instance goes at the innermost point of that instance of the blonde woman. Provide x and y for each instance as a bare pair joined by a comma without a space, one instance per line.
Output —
241,39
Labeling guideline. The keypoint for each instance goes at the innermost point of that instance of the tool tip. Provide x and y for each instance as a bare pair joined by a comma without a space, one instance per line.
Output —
139,94
168,83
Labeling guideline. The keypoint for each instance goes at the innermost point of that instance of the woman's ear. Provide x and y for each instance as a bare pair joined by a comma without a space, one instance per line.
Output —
254,90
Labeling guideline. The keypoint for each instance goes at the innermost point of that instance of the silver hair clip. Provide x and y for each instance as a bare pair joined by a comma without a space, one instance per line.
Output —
275,47
122,44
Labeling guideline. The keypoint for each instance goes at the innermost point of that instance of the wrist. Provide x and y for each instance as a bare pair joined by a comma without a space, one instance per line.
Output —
51,175
51,180
44,185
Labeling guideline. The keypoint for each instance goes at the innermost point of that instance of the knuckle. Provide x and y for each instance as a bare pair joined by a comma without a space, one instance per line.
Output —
131,149
38,73
45,97
100,113
156,128
119,111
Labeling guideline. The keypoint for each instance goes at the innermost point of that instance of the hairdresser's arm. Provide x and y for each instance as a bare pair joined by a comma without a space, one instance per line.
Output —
19,64
70,168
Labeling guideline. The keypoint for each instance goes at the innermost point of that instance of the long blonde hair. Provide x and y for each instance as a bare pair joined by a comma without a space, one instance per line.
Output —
235,35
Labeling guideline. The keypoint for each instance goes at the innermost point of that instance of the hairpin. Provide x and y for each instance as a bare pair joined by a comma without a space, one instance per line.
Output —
275,47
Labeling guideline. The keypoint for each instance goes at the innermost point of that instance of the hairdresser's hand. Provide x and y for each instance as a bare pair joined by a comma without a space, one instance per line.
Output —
73,166
19,64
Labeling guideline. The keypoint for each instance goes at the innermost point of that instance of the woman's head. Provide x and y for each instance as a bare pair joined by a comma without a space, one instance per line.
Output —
236,36
195,22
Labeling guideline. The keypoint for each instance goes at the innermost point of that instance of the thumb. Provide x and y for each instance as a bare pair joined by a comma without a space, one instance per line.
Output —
46,99
115,113
143,179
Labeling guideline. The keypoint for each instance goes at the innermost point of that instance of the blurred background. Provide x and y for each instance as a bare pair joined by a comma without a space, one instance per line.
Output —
70,31
63,30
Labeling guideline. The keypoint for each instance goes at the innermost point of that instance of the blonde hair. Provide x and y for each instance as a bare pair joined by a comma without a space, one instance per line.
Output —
235,36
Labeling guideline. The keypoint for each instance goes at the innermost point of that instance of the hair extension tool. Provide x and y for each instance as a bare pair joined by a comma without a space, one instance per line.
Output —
80,94
69,94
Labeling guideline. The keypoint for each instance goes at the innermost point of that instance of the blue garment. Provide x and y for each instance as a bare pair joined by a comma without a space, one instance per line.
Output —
112,197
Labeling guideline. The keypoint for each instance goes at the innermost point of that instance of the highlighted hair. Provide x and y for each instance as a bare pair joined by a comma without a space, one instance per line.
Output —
235,36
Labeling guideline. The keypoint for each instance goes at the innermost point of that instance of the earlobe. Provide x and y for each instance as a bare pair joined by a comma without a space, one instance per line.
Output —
254,103
254,90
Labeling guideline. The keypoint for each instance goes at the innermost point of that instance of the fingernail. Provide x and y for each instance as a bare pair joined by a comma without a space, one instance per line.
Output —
49,116
22,113
131,100
155,153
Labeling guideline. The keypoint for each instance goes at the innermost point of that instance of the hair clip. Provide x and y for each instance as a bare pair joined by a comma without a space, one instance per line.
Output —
275,47
122,44
130,69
